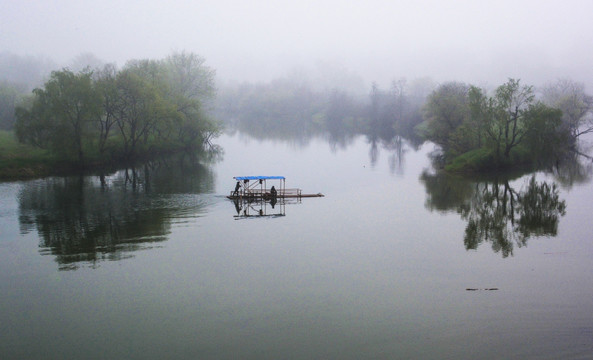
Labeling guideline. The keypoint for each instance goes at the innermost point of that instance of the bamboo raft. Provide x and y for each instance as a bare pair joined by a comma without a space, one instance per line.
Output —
255,187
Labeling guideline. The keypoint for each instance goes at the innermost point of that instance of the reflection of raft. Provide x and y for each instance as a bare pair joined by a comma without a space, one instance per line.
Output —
255,187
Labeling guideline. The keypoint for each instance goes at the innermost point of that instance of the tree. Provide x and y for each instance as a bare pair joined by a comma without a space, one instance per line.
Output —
139,112
382,117
157,106
398,104
446,109
34,125
375,107
107,87
339,109
505,121
192,89
190,77
10,95
545,134
479,107
462,119
61,114
173,95
575,104
86,61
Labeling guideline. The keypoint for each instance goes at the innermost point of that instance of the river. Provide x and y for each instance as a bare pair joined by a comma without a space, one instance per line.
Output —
396,261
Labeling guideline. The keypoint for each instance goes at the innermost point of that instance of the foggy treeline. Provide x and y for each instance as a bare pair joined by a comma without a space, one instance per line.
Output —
512,124
303,102
337,103
18,76
294,106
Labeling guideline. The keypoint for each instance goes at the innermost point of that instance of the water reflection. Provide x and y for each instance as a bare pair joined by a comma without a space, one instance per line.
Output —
577,168
88,219
497,212
255,208
380,140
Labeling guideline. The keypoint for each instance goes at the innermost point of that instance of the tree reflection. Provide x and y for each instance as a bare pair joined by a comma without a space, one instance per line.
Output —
576,168
396,148
495,211
107,217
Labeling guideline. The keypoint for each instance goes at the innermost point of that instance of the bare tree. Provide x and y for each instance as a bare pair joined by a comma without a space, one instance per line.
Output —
576,105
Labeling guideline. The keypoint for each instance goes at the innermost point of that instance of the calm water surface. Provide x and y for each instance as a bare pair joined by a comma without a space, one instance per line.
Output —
395,261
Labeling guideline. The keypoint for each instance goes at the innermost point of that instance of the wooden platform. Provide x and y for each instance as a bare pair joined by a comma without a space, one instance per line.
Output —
255,187
265,194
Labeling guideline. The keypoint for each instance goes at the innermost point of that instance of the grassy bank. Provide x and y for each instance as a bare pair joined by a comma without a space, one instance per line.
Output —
19,161
484,161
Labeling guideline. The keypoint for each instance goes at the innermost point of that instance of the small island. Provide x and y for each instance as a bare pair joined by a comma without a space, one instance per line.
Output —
509,129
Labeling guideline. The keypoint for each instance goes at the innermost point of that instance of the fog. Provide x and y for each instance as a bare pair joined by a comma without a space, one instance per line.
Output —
471,41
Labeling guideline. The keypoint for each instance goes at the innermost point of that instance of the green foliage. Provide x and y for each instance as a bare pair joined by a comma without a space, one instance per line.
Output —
480,133
149,106
192,89
141,111
478,160
479,106
546,135
19,160
446,109
505,121
461,140
61,115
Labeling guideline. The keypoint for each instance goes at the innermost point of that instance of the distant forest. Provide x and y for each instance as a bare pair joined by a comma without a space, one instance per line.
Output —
92,111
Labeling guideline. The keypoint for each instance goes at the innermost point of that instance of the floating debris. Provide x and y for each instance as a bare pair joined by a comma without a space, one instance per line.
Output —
484,289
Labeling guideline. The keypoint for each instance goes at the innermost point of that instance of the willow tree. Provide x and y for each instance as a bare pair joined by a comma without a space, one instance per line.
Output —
191,90
140,113
149,106
107,87
61,114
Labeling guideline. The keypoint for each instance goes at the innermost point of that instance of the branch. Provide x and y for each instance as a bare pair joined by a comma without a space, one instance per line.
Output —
586,131
586,156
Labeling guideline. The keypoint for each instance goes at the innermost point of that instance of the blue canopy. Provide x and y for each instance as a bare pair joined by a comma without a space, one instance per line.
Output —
258,177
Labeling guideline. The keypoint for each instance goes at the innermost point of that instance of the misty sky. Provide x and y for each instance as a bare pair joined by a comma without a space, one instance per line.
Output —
472,41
